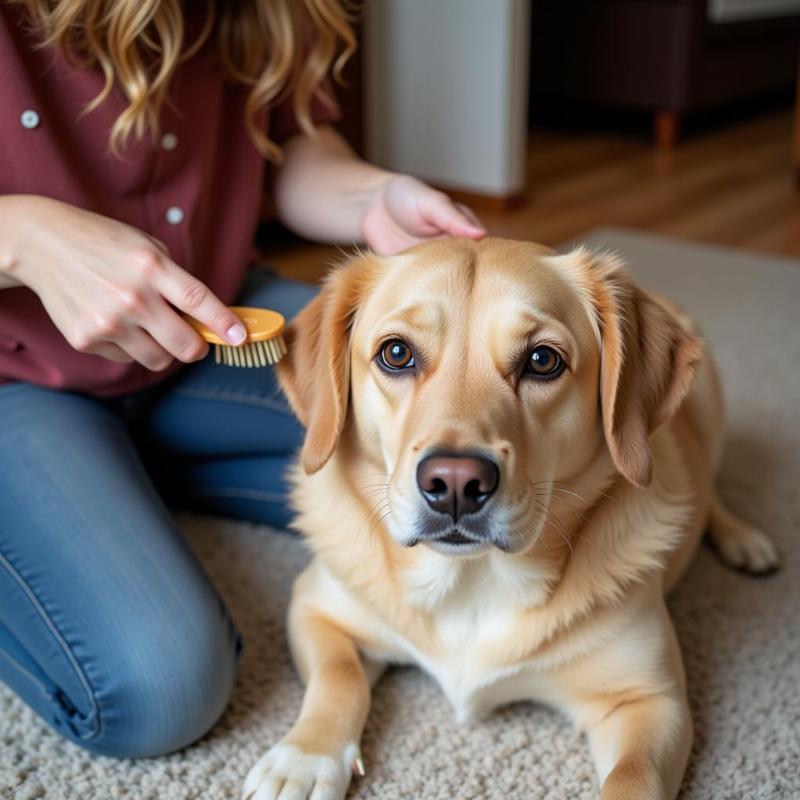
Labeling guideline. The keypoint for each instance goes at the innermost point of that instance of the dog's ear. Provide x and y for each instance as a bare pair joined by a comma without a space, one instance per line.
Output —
647,360
315,372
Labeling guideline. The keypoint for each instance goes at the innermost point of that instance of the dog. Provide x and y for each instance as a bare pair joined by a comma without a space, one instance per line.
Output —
508,461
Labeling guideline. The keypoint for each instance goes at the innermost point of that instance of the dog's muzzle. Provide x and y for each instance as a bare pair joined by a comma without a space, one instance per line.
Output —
456,486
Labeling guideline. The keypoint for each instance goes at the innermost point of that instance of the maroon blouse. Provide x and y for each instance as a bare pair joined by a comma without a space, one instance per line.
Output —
198,187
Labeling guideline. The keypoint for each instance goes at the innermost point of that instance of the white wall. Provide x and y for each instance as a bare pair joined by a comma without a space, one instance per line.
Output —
447,90
735,10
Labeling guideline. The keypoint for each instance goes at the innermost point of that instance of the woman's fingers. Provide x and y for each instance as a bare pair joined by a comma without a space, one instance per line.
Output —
134,345
471,216
175,335
112,352
194,298
147,351
439,210
142,323
159,244
155,343
140,309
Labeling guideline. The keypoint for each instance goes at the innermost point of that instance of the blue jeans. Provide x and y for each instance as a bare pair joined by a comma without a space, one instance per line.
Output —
109,628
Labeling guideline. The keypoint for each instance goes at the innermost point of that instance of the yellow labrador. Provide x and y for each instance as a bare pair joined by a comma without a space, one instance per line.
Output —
509,460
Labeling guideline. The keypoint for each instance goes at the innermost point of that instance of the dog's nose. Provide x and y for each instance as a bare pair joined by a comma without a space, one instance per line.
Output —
457,485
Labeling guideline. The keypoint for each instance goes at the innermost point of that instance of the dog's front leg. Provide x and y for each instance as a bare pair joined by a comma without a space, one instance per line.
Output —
634,708
316,758
640,747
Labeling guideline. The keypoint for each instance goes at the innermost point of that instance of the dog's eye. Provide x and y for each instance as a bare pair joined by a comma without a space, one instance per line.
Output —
544,362
396,354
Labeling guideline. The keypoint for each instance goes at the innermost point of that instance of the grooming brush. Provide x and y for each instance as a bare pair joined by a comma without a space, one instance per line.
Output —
263,346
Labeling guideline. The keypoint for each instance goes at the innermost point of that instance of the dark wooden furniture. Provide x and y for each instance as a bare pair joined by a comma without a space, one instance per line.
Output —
662,56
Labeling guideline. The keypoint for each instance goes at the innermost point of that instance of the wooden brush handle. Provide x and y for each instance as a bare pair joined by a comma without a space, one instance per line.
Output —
261,323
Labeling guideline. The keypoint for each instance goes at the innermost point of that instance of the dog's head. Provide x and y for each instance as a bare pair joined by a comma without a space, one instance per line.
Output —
473,376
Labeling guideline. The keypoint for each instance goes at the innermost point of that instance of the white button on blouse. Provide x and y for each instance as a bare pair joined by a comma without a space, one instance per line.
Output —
169,141
174,215
29,119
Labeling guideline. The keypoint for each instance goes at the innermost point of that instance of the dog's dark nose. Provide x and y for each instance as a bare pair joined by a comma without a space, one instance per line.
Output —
457,485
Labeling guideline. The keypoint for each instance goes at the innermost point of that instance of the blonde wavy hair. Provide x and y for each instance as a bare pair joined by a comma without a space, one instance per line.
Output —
278,47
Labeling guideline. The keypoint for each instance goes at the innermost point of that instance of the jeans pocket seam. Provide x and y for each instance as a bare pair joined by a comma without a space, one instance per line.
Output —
41,612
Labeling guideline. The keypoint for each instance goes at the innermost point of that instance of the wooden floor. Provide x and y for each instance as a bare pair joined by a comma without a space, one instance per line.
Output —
733,186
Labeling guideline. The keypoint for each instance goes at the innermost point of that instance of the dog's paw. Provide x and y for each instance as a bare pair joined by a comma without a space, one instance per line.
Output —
746,548
287,772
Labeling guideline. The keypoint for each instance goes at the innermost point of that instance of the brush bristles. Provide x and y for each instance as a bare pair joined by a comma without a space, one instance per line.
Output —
254,354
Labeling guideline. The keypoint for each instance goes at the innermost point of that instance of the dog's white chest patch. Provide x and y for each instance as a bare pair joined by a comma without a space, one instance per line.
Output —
474,695
472,687
471,622
474,620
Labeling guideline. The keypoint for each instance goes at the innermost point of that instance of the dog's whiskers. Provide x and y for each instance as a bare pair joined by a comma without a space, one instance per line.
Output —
381,509
553,520
579,518
377,495
551,486
598,492
371,485
371,490
379,520
567,492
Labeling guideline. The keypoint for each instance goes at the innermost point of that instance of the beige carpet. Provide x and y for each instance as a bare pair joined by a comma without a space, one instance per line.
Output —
740,636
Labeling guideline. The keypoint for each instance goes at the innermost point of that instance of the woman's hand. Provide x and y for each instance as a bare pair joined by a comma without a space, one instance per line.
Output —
107,286
323,191
405,211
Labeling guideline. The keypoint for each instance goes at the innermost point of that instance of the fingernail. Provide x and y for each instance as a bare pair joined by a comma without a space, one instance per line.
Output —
236,334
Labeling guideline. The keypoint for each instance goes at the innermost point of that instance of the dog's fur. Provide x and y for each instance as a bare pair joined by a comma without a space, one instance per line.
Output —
605,488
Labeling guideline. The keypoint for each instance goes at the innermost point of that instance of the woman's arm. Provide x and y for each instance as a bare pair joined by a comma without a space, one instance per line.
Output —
323,191
108,287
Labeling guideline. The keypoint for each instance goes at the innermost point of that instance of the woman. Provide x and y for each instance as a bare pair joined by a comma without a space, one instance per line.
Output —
136,141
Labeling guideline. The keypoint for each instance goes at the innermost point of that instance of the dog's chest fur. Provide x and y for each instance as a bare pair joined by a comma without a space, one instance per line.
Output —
473,622
471,625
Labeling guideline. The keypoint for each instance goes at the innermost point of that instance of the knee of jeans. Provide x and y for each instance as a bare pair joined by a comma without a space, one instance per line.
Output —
163,694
